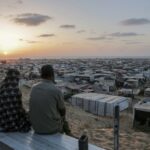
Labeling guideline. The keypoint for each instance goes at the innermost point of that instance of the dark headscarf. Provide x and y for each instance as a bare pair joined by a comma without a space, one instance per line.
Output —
12,115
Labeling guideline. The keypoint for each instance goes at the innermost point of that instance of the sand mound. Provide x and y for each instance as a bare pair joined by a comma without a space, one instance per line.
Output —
100,129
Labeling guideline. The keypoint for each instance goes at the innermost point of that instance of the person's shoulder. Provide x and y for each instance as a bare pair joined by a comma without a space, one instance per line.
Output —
35,85
56,88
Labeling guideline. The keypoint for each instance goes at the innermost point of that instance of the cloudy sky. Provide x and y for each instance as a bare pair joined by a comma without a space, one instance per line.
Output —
74,28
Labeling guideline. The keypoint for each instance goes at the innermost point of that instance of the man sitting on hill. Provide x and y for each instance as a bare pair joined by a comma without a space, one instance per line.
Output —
47,108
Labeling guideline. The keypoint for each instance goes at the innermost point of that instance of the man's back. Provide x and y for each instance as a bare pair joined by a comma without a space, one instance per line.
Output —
45,102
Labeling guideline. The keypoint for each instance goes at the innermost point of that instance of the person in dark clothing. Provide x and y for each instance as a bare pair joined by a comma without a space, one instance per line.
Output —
12,114
47,108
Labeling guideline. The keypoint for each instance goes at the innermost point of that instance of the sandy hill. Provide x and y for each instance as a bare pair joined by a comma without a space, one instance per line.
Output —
100,129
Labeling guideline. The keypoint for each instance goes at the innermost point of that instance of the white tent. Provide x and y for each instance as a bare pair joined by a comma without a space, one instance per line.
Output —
99,104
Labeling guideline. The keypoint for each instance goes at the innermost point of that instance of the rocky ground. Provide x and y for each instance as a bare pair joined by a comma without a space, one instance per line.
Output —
100,129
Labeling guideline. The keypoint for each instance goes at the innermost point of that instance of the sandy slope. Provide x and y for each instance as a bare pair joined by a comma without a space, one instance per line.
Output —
100,129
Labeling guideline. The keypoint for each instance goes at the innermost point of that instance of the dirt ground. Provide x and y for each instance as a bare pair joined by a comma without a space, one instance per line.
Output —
100,129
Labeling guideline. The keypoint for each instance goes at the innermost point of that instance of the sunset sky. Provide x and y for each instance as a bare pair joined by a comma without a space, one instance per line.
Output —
74,28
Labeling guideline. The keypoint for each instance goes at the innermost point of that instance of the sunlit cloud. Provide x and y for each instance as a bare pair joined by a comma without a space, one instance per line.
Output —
19,2
81,31
135,21
115,34
29,41
97,38
10,4
67,26
32,42
132,43
46,35
67,43
124,34
31,19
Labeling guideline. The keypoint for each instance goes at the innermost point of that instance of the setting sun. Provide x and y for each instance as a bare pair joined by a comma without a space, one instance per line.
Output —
8,41
5,53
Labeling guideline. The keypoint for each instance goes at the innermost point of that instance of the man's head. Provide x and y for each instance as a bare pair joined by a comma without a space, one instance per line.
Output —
47,72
